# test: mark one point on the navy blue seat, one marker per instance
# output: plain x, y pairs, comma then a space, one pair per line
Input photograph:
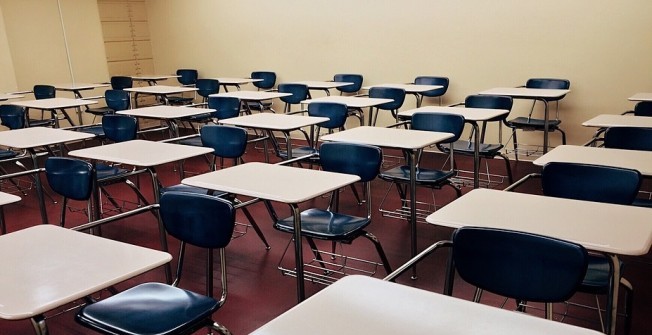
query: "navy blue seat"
225, 108
432, 80
72, 179
206, 87
530, 123
433, 178
356, 79
601, 184
396, 94
628, 138
116, 100
299, 93
121, 82
518, 265
327, 224
187, 77
267, 82
42, 92
153, 308
486, 150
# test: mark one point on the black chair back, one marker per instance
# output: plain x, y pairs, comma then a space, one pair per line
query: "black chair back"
121, 82
629, 138
12, 116
44, 92
187, 77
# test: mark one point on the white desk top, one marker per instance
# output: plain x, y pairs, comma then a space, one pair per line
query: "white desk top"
165, 112
273, 121
26, 138
78, 86
615, 120
7, 96
6, 198
350, 101
470, 114
161, 89
357, 305
140, 152
52, 266
641, 97
408, 88
631, 159
617, 229
527, 93
272, 182
322, 85
236, 81
252, 95
54, 103
154, 77
388, 137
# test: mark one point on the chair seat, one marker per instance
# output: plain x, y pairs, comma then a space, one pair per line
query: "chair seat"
194, 141
198, 118
524, 122
301, 151
100, 111
180, 100
468, 148
150, 308
41, 123
96, 130
639, 202
424, 176
259, 106
190, 189
107, 171
325, 225
5, 154
596, 280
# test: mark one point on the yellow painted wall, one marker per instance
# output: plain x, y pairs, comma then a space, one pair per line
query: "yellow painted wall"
603, 47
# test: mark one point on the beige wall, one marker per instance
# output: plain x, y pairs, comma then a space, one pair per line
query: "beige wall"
601, 46
8, 78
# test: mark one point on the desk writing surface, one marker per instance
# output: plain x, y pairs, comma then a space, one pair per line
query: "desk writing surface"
161, 89
52, 266
272, 182
356, 305
78, 86
408, 88
617, 229
7, 96
641, 97
236, 81
523, 92
630, 159
616, 120
470, 114
273, 121
350, 101
165, 112
140, 152
155, 77
26, 138
322, 85
54, 103
7, 198
388, 137
252, 95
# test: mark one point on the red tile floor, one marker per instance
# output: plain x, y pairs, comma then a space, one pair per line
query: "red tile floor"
257, 290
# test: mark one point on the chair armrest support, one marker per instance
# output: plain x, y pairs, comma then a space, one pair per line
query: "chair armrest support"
418, 258
519, 182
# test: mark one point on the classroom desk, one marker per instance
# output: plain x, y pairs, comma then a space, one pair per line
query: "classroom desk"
159, 91
53, 266
472, 116
54, 104
270, 122
7, 96
284, 184
410, 141
169, 114
629, 159
641, 97
363, 305
153, 79
76, 89
414, 89
5, 199
604, 121
352, 102
252, 96
607, 228
31, 138
539, 94
229, 81
322, 85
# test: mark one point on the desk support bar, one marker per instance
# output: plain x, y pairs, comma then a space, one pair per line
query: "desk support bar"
418, 258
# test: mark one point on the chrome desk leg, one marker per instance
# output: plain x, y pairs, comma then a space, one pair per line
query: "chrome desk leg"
39, 187
298, 252
413, 208
161, 228
612, 301
40, 328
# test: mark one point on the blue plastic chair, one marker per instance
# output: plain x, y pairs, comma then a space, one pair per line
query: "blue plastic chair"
518, 265
327, 224
225, 108
356, 79
396, 94
206, 87
116, 100
628, 138
121, 82
153, 308
267, 83
72, 179
299, 93
601, 184
431, 80
187, 77
42, 92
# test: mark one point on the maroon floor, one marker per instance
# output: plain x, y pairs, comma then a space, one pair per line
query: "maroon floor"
257, 290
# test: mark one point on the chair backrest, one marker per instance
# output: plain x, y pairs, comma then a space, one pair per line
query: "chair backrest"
350, 158
70, 177
119, 128
590, 182
430, 80
491, 102
225, 107
226, 141
187, 76
201, 220
629, 138
12, 116
299, 92
335, 112
397, 94
356, 79
439, 122
206, 87
268, 79
44, 92
549, 83
519, 265
643, 108
117, 100
121, 82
